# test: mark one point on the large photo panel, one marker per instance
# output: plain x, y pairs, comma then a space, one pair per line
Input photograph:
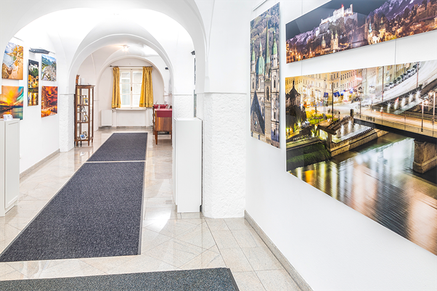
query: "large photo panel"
264, 77
367, 137
342, 25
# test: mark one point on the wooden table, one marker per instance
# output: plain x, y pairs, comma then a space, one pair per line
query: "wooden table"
163, 122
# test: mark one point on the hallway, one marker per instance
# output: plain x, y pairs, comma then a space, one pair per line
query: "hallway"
170, 241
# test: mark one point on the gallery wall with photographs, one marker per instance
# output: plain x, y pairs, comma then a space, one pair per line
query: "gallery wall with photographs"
265, 77
30, 93
352, 177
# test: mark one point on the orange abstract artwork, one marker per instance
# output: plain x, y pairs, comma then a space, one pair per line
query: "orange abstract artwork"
49, 101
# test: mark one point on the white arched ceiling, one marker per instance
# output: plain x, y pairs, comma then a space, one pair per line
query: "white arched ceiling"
134, 53
116, 32
183, 12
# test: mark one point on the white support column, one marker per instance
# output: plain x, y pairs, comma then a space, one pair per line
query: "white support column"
224, 154
183, 105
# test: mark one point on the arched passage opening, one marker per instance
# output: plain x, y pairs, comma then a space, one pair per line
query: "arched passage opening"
210, 31
79, 32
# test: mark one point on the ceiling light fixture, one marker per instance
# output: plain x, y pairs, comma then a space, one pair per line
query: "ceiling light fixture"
125, 48
39, 51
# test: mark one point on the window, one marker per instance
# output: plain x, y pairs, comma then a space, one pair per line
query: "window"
130, 87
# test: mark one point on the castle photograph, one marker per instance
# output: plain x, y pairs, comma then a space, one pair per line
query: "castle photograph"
342, 25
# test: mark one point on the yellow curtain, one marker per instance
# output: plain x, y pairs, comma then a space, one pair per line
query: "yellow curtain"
146, 98
116, 102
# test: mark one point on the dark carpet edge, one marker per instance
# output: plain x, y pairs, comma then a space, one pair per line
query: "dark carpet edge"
126, 279
233, 279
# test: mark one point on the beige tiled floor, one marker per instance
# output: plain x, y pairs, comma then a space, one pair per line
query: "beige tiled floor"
169, 241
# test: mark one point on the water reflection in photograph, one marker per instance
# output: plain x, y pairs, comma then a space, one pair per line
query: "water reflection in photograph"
378, 181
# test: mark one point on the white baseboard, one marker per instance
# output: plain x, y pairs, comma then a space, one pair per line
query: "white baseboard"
37, 165
303, 285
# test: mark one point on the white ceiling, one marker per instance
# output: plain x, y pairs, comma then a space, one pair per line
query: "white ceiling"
71, 27
75, 34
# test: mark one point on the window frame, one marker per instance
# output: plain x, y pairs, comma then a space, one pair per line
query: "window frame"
131, 71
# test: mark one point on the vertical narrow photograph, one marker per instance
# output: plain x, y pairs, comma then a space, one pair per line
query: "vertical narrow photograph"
48, 68
33, 83
264, 77
49, 101
368, 138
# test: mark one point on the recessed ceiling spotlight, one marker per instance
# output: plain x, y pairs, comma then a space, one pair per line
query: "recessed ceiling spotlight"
125, 48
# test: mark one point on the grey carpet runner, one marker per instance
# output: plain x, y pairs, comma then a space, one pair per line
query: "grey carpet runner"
122, 147
219, 279
96, 214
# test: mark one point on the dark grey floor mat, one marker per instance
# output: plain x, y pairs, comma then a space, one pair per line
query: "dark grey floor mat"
96, 214
220, 279
122, 147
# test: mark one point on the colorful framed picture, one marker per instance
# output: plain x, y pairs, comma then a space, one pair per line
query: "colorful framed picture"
49, 101
11, 101
33, 83
48, 68
12, 65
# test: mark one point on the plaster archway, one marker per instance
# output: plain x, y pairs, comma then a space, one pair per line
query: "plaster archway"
107, 41
116, 58
185, 12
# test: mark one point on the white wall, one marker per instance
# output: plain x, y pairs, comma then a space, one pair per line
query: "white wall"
39, 137
332, 246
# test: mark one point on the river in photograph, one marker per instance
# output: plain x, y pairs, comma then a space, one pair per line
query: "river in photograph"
377, 180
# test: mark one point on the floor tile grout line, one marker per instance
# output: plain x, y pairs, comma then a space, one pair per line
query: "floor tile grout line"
205, 249
241, 251
157, 244
253, 269
215, 242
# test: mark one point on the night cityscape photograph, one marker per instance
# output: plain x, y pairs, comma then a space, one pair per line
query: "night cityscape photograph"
341, 25
367, 137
